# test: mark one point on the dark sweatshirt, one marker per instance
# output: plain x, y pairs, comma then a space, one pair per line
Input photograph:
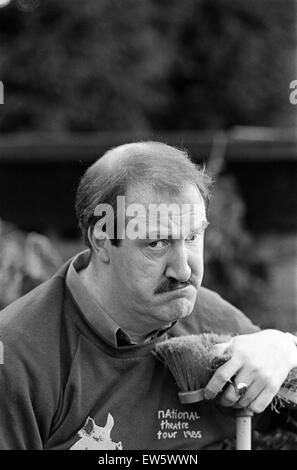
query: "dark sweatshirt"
62, 385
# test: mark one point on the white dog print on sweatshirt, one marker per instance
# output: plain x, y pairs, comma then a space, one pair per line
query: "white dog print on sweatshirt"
93, 437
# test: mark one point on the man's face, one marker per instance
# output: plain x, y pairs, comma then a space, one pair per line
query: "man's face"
156, 278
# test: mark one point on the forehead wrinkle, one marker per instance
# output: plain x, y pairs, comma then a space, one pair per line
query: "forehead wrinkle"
147, 194
144, 195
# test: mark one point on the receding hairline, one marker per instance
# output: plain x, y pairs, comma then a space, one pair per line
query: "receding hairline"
116, 156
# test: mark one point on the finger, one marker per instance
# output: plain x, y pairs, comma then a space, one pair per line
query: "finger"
229, 397
251, 394
256, 388
260, 400
232, 395
260, 403
222, 375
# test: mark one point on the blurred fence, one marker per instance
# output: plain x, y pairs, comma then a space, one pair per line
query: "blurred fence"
39, 173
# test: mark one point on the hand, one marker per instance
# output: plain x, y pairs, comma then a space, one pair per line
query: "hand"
262, 360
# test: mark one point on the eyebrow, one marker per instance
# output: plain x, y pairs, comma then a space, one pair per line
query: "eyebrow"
157, 235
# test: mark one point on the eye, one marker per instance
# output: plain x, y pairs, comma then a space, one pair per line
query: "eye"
193, 237
158, 244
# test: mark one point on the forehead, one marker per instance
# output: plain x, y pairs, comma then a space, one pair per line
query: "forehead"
146, 195
163, 215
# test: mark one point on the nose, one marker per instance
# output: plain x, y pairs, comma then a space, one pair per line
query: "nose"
178, 264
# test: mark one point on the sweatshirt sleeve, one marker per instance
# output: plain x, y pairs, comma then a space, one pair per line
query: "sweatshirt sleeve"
25, 403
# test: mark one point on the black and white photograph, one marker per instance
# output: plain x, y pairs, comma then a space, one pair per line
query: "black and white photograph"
148, 229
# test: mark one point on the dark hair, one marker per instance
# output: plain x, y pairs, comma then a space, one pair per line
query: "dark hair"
163, 167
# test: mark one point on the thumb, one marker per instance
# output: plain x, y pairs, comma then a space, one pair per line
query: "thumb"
222, 349
221, 353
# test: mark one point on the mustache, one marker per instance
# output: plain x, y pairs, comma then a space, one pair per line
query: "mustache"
171, 284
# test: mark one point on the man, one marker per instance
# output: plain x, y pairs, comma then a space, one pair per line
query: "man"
79, 369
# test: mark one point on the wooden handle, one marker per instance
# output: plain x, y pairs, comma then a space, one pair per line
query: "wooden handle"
244, 429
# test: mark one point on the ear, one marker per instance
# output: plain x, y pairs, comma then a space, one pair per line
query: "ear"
109, 423
99, 242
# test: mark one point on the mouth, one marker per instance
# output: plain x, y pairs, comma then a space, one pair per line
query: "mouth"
181, 287
179, 291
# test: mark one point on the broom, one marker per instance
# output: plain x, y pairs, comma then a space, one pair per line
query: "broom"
192, 363
190, 360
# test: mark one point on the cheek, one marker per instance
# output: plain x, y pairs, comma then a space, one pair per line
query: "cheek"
195, 259
138, 274
147, 274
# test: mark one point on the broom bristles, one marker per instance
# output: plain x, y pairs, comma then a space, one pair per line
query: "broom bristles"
190, 360
287, 395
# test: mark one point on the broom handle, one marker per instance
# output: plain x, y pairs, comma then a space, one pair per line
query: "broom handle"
244, 420
244, 429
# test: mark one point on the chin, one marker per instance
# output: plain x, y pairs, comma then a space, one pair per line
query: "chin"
182, 308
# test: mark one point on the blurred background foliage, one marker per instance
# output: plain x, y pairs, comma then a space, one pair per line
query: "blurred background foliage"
234, 266
130, 65
26, 260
